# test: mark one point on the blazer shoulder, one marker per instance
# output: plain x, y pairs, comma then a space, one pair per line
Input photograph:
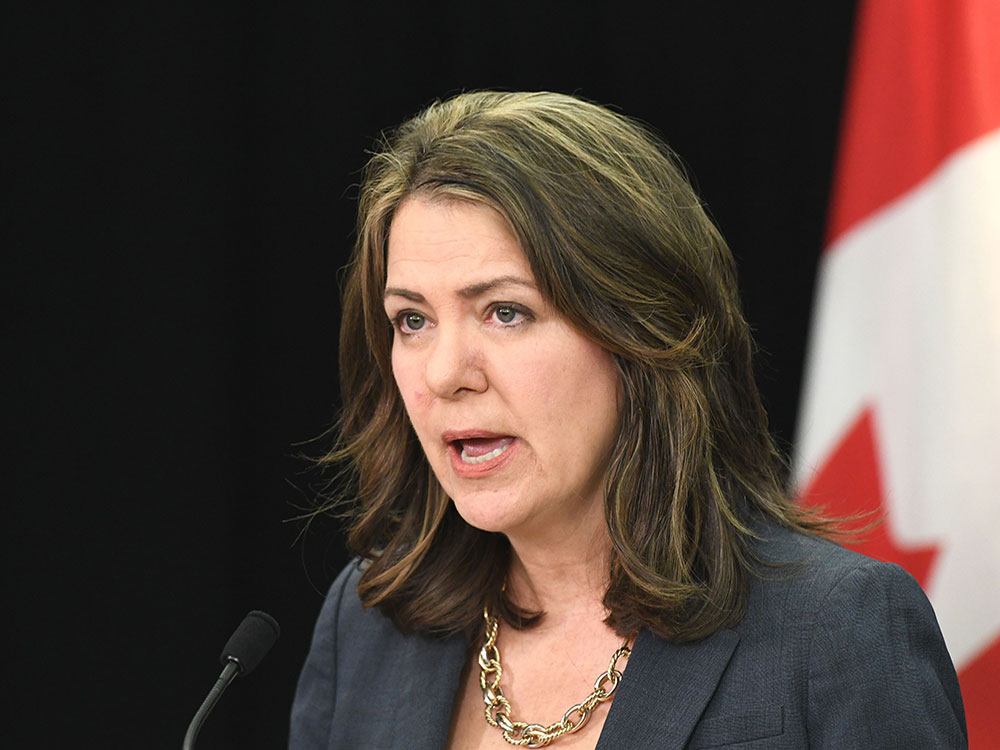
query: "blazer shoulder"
348, 621
342, 620
875, 667
813, 567
361, 668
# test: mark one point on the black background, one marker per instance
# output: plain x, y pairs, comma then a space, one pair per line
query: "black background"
180, 201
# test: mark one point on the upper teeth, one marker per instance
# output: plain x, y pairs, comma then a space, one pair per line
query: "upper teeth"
485, 457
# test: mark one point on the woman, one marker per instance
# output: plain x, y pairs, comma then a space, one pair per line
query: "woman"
569, 521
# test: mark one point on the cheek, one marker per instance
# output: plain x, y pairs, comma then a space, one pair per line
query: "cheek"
410, 383
545, 390
419, 398
585, 392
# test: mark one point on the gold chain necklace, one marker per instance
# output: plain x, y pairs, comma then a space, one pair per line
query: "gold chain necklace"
537, 735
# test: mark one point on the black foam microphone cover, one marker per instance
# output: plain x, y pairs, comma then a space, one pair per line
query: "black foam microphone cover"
251, 641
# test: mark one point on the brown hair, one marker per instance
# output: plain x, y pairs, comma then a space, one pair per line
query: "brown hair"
622, 248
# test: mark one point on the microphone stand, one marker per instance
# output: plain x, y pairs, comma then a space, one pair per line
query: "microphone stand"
229, 673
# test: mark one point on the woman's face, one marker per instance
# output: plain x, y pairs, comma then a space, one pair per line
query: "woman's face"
516, 411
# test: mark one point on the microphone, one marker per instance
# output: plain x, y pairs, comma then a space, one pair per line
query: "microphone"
243, 652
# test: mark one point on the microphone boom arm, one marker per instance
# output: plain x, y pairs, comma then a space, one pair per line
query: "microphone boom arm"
229, 673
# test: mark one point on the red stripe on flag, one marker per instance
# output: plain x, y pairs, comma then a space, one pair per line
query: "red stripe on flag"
924, 81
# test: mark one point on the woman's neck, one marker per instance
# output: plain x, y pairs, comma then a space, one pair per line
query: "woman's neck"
564, 577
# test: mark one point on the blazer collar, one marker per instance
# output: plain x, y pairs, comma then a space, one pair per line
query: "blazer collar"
664, 691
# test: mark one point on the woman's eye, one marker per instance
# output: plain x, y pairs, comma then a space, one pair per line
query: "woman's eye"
506, 314
411, 321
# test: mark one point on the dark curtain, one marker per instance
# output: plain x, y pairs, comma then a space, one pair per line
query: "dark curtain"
181, 183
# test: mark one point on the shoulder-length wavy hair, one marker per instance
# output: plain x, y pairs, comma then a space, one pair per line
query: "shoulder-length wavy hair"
622, 248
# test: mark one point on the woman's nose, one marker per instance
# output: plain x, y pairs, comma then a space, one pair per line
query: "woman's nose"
454, 364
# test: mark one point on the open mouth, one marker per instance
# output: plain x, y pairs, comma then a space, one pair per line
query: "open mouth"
482, 449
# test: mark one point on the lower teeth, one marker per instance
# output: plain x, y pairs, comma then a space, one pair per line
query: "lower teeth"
466, 459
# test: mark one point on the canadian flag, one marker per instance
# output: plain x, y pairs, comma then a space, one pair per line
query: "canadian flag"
901, 409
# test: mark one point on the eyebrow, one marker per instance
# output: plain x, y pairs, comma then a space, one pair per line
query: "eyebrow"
466, 292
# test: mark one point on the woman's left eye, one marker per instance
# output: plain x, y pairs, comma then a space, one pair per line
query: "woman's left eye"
508, 314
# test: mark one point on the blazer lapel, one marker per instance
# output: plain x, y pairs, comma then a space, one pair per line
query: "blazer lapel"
664, 690
431, 678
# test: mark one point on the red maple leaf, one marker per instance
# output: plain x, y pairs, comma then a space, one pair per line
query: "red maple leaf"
850, 484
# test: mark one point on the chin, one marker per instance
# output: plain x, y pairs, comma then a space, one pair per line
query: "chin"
488, 511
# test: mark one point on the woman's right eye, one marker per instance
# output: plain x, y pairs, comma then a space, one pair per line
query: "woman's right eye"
410, 322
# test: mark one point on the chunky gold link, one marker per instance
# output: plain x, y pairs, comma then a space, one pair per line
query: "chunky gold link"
613, 677
523, 734
504, 722
580, 708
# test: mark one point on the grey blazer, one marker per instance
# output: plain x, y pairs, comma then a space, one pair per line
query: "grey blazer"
836, 651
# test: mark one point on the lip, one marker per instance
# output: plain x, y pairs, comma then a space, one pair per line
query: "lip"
471, 471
